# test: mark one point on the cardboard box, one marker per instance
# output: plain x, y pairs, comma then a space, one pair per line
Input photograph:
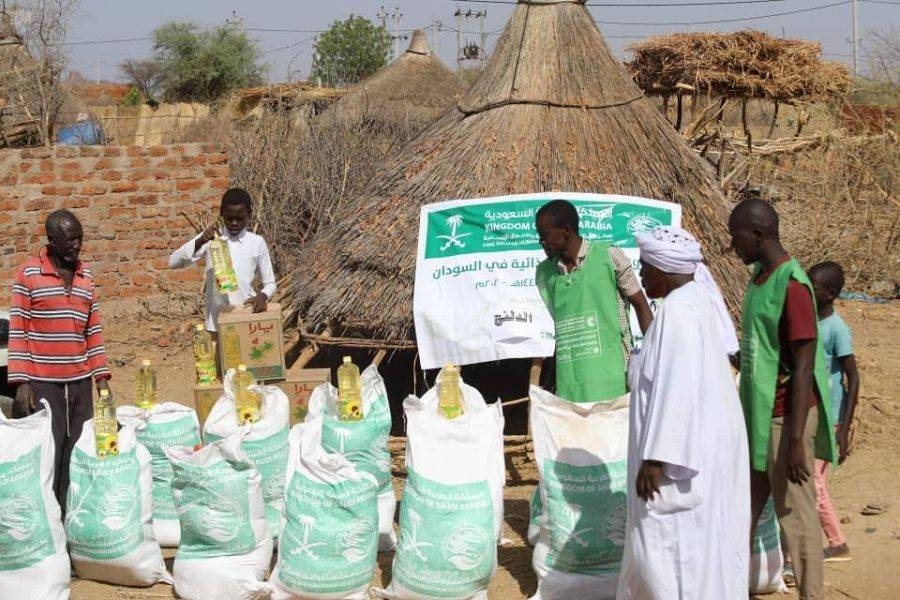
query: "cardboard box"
254, 340
205, 396
299, 387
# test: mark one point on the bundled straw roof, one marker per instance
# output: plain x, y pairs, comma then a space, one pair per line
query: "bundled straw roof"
411, 91
553, 110
246, 100
748, 64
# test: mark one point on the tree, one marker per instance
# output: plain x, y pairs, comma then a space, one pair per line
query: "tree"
146, 75
350, 51
204, 65
43, 26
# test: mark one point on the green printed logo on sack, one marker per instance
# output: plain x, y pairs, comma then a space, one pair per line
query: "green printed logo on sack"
156, 437
330, 537
214, 510
586, 513
364, 443
269, 456
447, 545
767, 536
103, 520
25, 537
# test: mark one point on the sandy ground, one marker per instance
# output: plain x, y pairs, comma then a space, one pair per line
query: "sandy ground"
160, 331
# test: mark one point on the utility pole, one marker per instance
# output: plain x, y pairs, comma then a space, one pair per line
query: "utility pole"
470, 50
855, 38
396, 17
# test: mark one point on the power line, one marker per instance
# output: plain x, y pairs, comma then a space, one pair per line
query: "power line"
96, 42
734, 20
641, 4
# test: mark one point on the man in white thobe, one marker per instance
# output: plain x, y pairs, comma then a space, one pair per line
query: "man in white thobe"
688, 480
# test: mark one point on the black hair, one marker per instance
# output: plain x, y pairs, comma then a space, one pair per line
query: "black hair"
561, 212
235, 197
757, 214
57, 220
830, 273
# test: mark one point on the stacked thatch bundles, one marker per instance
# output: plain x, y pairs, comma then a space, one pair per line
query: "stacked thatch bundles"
744, 64
408, 94
553, 110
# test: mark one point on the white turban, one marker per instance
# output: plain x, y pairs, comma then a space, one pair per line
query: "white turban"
675, 250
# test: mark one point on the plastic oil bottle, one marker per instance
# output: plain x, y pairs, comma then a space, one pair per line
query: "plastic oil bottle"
146, 386
223, 269
204, 357
349, 392
106, 437
231, 348
246, 402
450, 402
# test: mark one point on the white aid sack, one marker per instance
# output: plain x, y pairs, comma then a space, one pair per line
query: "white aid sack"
109, 519
766, 559
226, 546
581, 452
329, 545
166, 425
33, 560
364, 443
452, 507
266, 441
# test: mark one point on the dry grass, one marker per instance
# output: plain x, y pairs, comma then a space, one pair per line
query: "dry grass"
528, 124
839, 201
748, 64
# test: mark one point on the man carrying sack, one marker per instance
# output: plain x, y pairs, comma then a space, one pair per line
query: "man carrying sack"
587, 288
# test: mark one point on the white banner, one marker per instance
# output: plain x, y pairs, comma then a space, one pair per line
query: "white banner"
475, 295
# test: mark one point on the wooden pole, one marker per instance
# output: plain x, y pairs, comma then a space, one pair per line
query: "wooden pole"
746, 126
680, 102
665, 107
379, 356
774, 120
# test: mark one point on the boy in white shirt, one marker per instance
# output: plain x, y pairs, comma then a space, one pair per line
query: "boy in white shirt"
249, 255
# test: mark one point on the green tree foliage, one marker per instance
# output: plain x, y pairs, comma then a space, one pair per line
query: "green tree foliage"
350, 51
203, 65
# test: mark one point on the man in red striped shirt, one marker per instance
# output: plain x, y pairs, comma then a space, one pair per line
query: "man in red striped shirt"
55, 339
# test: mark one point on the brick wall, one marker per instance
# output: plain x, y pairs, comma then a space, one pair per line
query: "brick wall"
129, 199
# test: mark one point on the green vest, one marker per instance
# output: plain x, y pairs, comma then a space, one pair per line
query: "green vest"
760, 357
589, 362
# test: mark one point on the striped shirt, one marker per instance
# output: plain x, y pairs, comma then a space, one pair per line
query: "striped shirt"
626, 281
54, 335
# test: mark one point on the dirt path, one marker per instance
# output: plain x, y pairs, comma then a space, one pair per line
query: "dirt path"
870, 474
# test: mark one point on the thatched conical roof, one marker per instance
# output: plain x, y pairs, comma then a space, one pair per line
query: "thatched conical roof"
19, 101
553, 110
412, 91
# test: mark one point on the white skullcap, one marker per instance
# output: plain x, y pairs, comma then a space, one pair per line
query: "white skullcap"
675, 250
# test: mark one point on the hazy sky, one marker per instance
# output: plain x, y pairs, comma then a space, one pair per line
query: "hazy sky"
108, 20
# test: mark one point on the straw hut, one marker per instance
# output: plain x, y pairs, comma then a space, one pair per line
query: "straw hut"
408, 94
553, 110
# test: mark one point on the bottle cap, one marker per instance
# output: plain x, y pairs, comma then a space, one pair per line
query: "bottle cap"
145, 362
347, 360
199, 326
242, 368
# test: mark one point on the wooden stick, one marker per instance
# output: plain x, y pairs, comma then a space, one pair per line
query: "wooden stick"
379, 356
774, 120
680, 101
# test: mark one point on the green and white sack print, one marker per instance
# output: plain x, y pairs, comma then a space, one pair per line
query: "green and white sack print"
166, 425
33, 559
265, 443
329, 543
226, 545
766, 559
452, 506
582, 455
109, 515
364, 443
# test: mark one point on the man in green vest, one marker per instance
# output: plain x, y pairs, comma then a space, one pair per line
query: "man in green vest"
587, 288
784, 389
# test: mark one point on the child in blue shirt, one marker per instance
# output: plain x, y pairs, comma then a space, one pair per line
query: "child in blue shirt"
828, 281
